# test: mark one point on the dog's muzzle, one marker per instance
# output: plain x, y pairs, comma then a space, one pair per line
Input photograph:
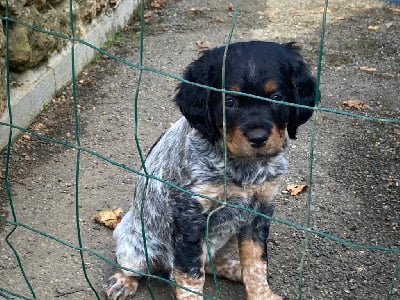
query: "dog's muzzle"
257, 137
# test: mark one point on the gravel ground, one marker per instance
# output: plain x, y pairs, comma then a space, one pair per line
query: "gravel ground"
356, 174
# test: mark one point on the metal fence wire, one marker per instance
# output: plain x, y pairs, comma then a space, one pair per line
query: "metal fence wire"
14, 223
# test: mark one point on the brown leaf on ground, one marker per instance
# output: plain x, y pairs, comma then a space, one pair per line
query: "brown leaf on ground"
373, 27
148, 15
367, 69
356, 104
295, 189
109, 218
197, 10
203, 44
157, 3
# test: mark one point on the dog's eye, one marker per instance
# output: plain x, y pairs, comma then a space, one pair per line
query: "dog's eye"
276, 96
230, 102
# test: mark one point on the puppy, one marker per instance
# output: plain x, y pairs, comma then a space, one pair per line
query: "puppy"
190, 155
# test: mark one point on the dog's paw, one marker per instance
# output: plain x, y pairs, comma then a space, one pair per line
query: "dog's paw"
269, 295
275, 297
120, 286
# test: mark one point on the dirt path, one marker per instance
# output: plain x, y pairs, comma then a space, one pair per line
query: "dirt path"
356, 167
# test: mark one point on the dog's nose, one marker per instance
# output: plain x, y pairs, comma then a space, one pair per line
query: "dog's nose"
257, 137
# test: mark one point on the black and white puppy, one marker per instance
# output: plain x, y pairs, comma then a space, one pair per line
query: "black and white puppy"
191, 155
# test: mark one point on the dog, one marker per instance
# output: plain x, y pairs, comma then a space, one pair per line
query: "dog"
230, 163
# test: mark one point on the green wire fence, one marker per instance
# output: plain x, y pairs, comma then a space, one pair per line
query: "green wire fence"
8, 293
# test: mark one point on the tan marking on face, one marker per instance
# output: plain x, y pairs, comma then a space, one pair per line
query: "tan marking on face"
237, 143
265, 192
270, 86
194, 284
235, 88
239, 146
276, 138
254, 271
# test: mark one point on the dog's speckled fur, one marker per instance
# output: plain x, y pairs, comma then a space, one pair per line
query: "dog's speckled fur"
191, 155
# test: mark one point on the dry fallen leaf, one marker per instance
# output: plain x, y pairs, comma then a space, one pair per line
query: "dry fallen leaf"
357, 104
395, 9
157, 3
147, 15
295, 189
373, 27
230, 6
203, 44
197, 10
388, 74
368, 69
109, 218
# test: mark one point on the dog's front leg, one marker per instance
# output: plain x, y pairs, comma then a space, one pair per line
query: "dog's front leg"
189, 259
253, 258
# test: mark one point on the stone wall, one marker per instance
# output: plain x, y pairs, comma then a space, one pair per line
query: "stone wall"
28, 48
2, 71
40, 59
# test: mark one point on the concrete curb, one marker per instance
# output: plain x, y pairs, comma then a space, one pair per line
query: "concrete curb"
37, 87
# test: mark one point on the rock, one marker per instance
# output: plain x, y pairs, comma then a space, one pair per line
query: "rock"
20, 49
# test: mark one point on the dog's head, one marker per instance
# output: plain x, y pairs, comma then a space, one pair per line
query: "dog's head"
254, 127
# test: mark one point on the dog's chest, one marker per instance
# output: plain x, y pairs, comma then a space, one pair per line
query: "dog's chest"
214, 195
229, 195
230, 208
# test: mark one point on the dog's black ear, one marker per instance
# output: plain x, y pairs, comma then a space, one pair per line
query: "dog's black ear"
194, 101
305, 91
